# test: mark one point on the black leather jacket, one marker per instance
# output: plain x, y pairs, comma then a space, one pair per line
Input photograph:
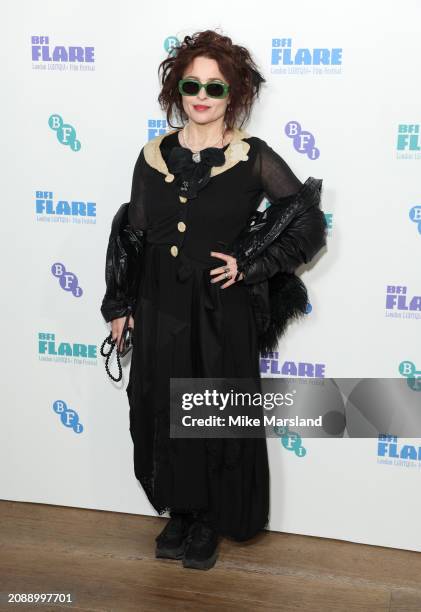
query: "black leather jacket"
269, 250
272, 245
122, 266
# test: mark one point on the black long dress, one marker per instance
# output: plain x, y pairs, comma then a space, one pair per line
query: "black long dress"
186, 326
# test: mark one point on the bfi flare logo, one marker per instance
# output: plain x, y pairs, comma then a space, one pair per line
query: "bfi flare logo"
48, 56
287, 59
391, 451
50, 209
408, 145
401, 304
52, 349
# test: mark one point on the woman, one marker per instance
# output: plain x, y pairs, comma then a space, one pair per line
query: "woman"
194, 190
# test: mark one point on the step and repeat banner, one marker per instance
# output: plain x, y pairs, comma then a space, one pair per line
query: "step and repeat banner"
341, 102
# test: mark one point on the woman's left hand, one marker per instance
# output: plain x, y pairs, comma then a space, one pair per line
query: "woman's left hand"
230, 266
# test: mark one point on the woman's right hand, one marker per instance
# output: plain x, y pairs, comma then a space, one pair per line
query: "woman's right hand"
117, 328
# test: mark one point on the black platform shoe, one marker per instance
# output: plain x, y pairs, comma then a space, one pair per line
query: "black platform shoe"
170, 542
201, 546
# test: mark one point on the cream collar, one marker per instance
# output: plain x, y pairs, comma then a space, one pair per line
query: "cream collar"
236, 151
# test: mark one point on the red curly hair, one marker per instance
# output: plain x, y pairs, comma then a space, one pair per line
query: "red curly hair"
234, 62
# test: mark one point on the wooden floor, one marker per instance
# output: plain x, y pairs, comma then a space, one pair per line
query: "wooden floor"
106, 560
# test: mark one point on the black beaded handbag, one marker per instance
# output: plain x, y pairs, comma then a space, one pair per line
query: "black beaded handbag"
126, 344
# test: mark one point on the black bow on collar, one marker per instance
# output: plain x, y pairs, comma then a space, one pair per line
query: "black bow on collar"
193, 175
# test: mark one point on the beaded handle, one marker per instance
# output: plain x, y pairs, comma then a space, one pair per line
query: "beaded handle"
109, 340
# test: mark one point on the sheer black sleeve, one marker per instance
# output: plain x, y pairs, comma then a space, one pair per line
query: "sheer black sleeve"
136, 211
277, 179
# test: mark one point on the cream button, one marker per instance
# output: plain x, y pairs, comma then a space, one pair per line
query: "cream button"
181, 226
182, 199
174, 250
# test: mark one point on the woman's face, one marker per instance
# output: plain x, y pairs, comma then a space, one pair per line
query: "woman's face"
204, 69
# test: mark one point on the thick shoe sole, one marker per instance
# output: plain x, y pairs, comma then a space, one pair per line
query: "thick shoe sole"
169, 553
204, 564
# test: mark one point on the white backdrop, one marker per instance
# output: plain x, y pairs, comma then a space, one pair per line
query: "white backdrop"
371, 198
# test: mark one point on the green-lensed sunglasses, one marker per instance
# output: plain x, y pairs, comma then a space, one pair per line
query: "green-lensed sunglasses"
214, 89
